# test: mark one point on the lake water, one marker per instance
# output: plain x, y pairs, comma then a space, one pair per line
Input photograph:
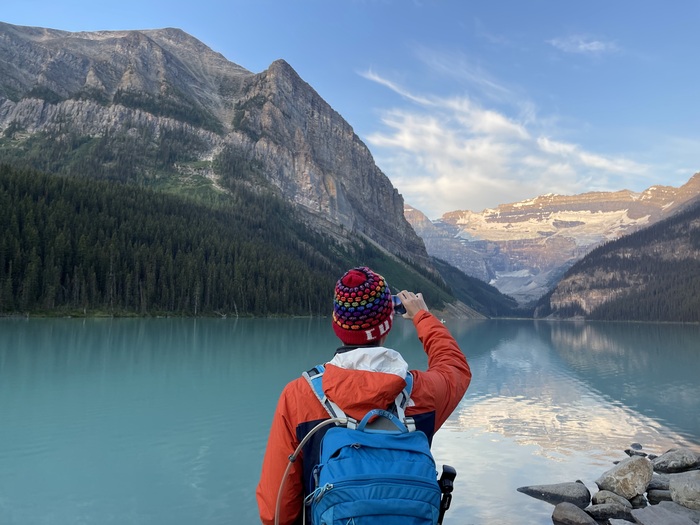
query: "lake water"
164, 421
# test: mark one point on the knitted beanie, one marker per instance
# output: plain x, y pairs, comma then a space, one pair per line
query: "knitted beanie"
362, 309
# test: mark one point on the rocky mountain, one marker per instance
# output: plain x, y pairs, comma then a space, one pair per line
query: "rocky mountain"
652, 274
524, 248
161, 108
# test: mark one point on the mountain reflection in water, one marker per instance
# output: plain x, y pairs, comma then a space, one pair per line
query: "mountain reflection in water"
554, 402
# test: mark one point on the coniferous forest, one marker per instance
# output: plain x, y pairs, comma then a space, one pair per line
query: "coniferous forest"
74, 245
85, 244
651, 275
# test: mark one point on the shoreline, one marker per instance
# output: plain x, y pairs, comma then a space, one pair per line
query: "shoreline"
642, 488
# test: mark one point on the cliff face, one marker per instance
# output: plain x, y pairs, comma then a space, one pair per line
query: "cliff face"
524, 248
142, 84
315, 159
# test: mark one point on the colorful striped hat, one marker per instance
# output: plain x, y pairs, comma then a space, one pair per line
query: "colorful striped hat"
362, 310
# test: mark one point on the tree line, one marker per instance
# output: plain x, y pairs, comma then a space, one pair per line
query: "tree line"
658, 269
76, 246
70, 244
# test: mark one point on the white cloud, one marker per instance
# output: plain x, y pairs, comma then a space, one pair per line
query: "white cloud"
447, 154
583, 45
370, 75
591, 160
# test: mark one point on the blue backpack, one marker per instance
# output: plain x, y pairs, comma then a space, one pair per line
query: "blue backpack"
376, 471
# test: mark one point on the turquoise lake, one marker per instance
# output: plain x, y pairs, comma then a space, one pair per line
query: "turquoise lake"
164, 421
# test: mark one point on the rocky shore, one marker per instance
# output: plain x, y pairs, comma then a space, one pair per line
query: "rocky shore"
643, 488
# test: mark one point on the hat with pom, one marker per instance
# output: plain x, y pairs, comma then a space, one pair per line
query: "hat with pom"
362, 308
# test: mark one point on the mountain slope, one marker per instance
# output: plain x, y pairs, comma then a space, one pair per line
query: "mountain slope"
76, 245
650, 275
160, 108
121, 111
524, 248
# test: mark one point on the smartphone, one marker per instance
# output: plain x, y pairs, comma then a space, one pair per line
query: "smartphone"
399, 308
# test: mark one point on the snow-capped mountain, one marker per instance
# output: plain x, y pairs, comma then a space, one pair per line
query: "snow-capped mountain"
523, 248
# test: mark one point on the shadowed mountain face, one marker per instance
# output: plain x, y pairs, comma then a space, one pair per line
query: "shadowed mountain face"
524, 248
158, 106
652, 274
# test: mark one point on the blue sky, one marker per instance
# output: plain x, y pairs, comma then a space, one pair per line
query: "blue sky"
465, 104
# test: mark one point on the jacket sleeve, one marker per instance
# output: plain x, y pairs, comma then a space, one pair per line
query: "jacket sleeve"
445, 382
280, 445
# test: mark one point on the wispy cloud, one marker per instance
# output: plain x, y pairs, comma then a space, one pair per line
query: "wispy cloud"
459, 67
371, 75
450, 153
481, 32
584, 45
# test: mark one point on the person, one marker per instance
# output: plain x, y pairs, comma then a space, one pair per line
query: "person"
362, 375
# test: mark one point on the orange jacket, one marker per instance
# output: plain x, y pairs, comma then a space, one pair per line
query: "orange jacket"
436, 393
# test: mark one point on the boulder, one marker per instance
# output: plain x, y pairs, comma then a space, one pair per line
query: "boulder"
628, 478
575, 493
605, 496
632, 452
569, 514
685, 489
659, 482
694, 515
656, 515
639, 502
656, 495
605, 511
676, 460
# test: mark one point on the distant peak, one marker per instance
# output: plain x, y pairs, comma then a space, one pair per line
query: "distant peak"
281, 65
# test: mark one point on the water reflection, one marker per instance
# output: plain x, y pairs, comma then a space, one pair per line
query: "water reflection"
540, 377
165, 420
553, 402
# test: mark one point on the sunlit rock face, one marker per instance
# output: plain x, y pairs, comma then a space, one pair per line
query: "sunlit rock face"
272, 126
524, 248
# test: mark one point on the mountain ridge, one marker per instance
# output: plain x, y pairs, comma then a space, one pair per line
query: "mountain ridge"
523, 248
652, 274
159, 109
271, 123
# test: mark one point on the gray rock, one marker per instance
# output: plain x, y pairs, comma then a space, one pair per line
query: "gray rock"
575, 493
694, 515
676, 460
656, 495
656, 515
605, 496
627, 479
685, 489
569, 514
605, 511
635, 450
639, 502
659, 482
614, 521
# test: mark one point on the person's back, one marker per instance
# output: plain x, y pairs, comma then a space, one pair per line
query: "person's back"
363, 375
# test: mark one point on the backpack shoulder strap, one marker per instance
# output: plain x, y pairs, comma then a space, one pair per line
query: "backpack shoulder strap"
315, 379
401, 403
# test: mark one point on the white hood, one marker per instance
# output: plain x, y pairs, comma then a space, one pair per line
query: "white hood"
374, 359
